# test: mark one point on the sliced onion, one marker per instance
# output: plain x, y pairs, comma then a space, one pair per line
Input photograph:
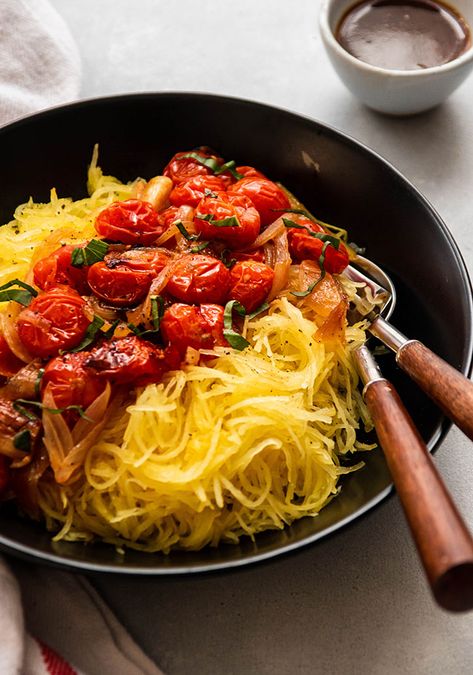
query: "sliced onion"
23, 383
271, 232
269, 251
141, 315
95, 308
186, 215
282, 264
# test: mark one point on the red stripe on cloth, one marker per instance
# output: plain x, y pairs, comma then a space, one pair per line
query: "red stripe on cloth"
55, 665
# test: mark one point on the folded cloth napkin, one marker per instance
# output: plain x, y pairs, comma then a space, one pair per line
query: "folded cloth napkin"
51, 622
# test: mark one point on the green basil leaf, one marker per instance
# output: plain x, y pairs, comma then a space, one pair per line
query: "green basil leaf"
200, 247
258, 310
20, 402
37, 384
108, 334
91, 334
205, 216
209, 162
231, 221
233, 338
157, 310
303, 294
328, 238
180, 226
22, 440
95, 251
23, 295
230, 167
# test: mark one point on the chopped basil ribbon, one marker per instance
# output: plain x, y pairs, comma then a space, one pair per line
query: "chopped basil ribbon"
180, 226
22, 440
37, 384
233, 338
232, 221
303, 294
327, 238
228, 262
213, 165
23, 295
20, 402
199, 247
157, 313
91, 334
258, 310
95, 251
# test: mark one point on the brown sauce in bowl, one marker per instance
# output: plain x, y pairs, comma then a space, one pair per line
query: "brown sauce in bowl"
403, 34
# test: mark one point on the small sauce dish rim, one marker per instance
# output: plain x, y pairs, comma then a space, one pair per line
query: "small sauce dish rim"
329, 36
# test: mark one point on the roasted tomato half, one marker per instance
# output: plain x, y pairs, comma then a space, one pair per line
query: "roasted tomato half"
247, 171
250, 283
9, 363
229, 218
193, 190
70, 382
303, 246
186, 326
129, 222
131, 360
267, 198
199, 279
123, 279
182, 168
54, 321
57, 269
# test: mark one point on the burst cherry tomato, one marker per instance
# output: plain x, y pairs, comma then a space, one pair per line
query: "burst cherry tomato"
57, 269
303, 246
9, 363
242, 226
193, 190
70, 382
250, 283
266, 196
131, 360
124, 279
182, 168
199, 278
256, 256
168, 217
190, 326
55, 320
130, 222
247, 171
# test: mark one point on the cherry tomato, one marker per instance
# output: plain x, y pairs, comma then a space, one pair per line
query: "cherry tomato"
167, 217
193, 190
54, 321
250, 283
9, 363
130, 222
302, 246
182, 168
247, 171
70, 382
213, 210
266, 196
124, 279
199, 278
4, 474
131, 360
57, 269
240, 256
190, 326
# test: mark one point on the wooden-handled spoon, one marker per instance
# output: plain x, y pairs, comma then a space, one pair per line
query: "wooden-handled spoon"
444, 542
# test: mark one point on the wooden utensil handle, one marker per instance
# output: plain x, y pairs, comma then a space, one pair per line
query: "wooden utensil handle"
448, 388
444, 543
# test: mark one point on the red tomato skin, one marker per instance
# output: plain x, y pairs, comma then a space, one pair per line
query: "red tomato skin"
249, 171
304, 247
167, 217
129, 222
256, 256
54, 321
9, 363
149, 260
267, 198
4, 474
250, 283
226, 205
181, 168
193, 190
199, 279
186, 326
130, 360
57, 269
118, 286
70, 382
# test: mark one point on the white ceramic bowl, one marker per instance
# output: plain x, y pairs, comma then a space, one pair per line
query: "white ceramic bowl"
396, 92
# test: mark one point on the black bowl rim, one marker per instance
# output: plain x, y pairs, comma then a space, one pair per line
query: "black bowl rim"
55, 560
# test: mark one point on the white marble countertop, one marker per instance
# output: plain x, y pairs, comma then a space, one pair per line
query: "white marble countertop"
357, 603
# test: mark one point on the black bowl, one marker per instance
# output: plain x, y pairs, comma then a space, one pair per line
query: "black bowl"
340, 180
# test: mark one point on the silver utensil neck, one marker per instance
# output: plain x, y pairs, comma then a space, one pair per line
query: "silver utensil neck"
389, 335
367, 367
